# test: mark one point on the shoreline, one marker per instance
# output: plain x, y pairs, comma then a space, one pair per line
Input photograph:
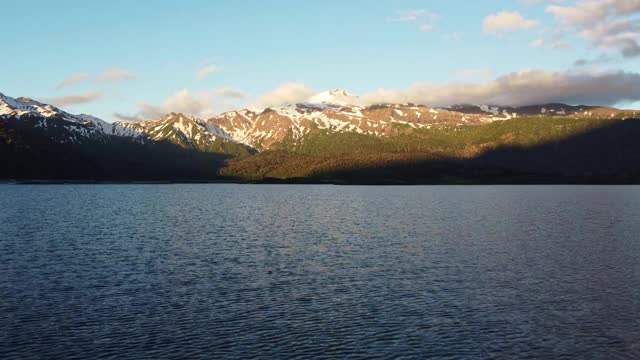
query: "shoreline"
337, 182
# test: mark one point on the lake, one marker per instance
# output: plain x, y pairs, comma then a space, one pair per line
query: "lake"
284, 271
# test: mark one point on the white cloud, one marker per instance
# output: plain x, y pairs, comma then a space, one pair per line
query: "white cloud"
125, 117
229, 93
68, 100
108, 75
505, 21
206, 70
606, 24
425, 27
73, 79
475, 86
201, 104
184, 101
582, 13
454, 36
115, 74
551, 44
423, 17
413, 15
521, 88
285, 94
535, 2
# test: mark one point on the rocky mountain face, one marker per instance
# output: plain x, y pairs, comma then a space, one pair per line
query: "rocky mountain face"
40, 141
62, 126
238, 132
335, 111
553, 110
186, 131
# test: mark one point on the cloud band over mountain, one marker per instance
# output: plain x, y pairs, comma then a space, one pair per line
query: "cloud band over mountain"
515, 89
521, 88
528, 87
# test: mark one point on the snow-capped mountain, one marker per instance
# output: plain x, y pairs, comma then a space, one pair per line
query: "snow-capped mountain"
180, 129
331, 111
63, 126
263, 129
335, 111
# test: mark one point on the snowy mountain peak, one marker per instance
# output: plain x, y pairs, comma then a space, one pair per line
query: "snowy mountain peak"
26, 106
180, 117
174, 116
178, 128
338, 97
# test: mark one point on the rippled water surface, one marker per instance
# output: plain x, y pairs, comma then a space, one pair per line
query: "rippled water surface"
241, 271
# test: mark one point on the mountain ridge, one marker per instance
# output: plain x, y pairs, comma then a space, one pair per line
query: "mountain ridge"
327, 110
263, 129
183, 130
306, 140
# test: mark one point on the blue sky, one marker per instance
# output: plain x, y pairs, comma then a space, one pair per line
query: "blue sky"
139, 57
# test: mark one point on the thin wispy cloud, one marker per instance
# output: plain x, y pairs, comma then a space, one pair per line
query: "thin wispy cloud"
229, 93
115, 74
454, 36
73, 79
76, 99
125, 117
205, 71
536, 2
425, 27
423, 17
412, 15
550, 44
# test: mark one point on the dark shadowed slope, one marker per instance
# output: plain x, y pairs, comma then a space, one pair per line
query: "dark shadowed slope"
27, 152
602, 152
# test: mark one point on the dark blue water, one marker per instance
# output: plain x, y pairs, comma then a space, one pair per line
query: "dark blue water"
233, 271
